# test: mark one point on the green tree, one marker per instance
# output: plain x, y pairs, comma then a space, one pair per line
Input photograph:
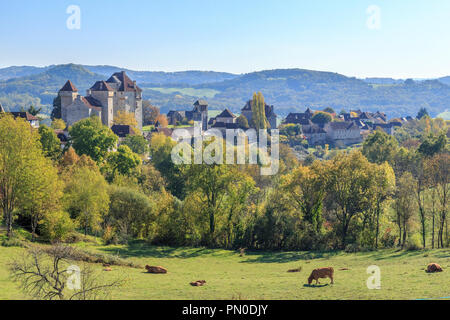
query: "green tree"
86, 197
433, 144
242, 122
321, 117
404, 205
34, 111
380, 147
131, 213
350, 182
123, 161
422, 113
44, 192
90, 137
56, 111
58, 124
383, 189
160, 152
212, 184
329, 110
258, 105
51, 145
19, 149
137, 143
306, 188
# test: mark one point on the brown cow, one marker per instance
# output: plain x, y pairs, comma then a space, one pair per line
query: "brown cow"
317, 274
434, 267
198, 283
152, 269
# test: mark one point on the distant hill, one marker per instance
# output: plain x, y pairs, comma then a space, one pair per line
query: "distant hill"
383, 81
445, 80
164, 78
16, 72
293, 90
40, 89
289, 90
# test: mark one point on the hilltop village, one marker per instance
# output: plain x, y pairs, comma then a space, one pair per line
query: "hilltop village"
110, 100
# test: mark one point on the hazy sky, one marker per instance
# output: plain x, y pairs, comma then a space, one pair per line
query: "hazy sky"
410, 38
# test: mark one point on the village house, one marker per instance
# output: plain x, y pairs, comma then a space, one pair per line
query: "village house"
345, 133
32, 120
198, 113
299, 118
104, 99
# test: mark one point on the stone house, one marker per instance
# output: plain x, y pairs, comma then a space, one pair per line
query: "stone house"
32, 120
314, 134
199, 113
346, 132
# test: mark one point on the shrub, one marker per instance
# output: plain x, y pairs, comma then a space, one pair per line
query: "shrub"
352, 248
413, 243
57, 226
13, 242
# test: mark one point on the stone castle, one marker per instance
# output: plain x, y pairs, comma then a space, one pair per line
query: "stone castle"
104, 99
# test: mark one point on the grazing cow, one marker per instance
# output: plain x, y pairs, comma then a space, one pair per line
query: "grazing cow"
317, 274
434, 267
198, 283
153, 269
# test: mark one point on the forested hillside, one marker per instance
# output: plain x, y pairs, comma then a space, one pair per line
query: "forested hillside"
289, 90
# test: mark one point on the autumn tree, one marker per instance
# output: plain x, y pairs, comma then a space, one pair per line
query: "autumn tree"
382, 190
212, 184
321, 118
162, 121
258, 105
380, 147
433, 144
242, 122
131, 213
306, 188
160, 152
58, 124
137, 143
86, 197
44, 192
51, 144
19, 150
90, 137
349, 186
150, 113
438, 168
123, 161
404, 205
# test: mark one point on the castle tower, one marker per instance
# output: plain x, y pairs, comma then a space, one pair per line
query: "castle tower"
68, 94
128, 96
104, 93
200, 113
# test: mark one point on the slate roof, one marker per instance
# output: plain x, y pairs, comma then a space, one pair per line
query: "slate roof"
346, 125
69, 87
25, 115
122, 130
101, 86
226, 114
91, 102
314, 129
126, 84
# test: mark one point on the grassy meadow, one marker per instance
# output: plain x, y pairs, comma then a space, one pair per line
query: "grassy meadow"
261, 275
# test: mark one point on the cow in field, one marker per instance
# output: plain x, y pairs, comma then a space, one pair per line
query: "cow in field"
321, 273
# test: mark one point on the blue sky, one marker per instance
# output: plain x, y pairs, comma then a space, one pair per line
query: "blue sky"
232, 36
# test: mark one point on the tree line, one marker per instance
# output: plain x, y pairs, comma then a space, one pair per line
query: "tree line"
390, 192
